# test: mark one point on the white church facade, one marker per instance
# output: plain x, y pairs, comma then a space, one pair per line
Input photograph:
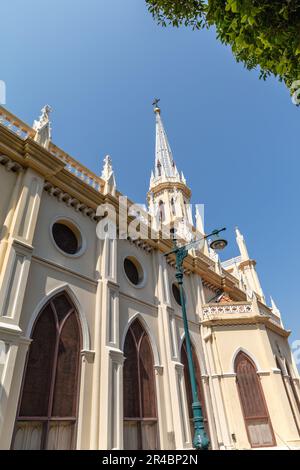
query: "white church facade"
92, 346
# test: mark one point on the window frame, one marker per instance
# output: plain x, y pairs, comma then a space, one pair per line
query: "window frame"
248, 419
47, 420
74, 227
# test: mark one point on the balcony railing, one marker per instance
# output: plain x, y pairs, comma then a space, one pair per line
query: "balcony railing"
24, 131
238, 309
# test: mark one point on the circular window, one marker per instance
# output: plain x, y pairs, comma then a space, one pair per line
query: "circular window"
66, 237
176, 293
133, 271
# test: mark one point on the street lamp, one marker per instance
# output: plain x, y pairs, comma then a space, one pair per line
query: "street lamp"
200, 440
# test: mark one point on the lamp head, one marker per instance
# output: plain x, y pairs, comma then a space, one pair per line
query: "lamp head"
218, 244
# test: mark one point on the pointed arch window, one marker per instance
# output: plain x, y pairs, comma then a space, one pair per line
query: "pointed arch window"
184, 361
256, 416
47, 413
159, 168
161, 207
173, 208
140, 412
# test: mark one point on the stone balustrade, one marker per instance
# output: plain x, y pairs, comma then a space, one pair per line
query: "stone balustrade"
239, 309
235, 308
24, 131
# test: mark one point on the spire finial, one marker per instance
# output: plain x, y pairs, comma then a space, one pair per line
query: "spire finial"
108, 175
155, 104
42, 126
241, 244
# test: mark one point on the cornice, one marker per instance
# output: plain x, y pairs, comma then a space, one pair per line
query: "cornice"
247, 263
249, 320
70, 184
11, 145
169, 186
40, 160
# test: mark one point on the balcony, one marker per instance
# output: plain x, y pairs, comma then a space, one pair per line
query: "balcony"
240, 313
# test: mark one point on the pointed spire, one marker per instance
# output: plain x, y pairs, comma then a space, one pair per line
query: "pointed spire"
165, 168
108, 176
199, 216
242, 245
43, 127
274, 307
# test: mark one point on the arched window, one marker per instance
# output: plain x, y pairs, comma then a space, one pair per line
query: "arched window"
159, 168
255, 411
173, 208
161, 211
140, 414
290, 380
188, 387
47, 413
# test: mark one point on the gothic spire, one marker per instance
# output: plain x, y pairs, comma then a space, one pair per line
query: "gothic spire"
165, 168
242, 245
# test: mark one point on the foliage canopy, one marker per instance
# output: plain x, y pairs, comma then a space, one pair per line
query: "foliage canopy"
263, 34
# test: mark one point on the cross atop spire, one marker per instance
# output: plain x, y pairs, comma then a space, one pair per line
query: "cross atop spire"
155, 103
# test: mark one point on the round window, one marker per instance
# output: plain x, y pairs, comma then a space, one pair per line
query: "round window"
176, 293
66, 237
133, 271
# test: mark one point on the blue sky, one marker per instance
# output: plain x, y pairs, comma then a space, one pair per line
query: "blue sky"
100, 63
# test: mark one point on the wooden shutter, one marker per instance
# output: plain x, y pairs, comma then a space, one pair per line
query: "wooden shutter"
256, 416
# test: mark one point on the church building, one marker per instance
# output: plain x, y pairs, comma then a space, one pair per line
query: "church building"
92, 347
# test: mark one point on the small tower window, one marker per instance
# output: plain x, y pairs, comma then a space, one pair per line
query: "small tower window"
161, 211
173, 208
159, 169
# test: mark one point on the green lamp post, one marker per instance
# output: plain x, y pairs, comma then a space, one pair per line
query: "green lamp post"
200, 440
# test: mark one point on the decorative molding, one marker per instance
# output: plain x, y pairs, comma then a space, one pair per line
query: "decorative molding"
263, 373
142, 244
224, 309
10, 328
224, 375
81, 312
10, 165
275, 370
64, 269
70, 201
159, 369
112, 285
21, 246
178, 367
88, 355
139, 301
117, 356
